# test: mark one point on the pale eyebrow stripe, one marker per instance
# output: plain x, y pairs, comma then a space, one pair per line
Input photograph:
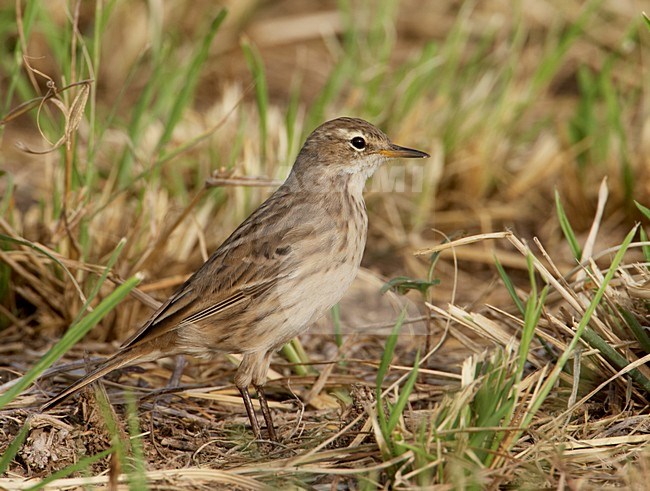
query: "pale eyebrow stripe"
349, 134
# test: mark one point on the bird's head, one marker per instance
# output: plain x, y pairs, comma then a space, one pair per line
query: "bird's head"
348, 146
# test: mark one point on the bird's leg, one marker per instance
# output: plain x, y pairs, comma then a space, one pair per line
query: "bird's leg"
253, 368
243, 379
174, 381
266, 412
179, 366
259, 373
251, 412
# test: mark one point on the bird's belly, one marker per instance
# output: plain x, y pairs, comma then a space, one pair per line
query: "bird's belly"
317, 283
288, 309
309, 299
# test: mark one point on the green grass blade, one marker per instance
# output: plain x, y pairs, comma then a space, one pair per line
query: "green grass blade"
384, 365
548, 67
137, 118
559, 366
570, 236
336, 319
76, 332
80, 465
290, 122
256, 66
7, 199
30, 13
644, 236
119, 444
292, 354
645, 248
614, 357
616, 130
584, 124
404, 394
138, 474
387, 357
509, 286
534, 308
191, 77
109, 266
303, 356
14, 446
643, 209
639, 332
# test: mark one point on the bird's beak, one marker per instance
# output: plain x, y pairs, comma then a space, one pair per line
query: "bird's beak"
396, 152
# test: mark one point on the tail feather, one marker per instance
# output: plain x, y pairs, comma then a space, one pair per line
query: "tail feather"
119, 360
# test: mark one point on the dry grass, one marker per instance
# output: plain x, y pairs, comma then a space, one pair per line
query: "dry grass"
512, 105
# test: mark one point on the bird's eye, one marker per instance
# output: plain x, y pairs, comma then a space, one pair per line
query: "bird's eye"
358, 143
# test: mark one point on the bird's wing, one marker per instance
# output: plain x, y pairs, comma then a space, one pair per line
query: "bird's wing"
250, 262
181, 309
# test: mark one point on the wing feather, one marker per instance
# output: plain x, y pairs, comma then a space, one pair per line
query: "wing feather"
250, 262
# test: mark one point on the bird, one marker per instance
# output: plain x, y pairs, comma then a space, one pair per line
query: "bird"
284, 267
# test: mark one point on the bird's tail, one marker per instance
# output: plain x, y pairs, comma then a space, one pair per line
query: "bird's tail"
119, 360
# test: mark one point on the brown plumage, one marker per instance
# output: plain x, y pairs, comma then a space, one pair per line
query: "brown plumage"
290, 261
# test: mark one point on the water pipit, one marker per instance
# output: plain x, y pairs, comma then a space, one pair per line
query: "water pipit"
286, 265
